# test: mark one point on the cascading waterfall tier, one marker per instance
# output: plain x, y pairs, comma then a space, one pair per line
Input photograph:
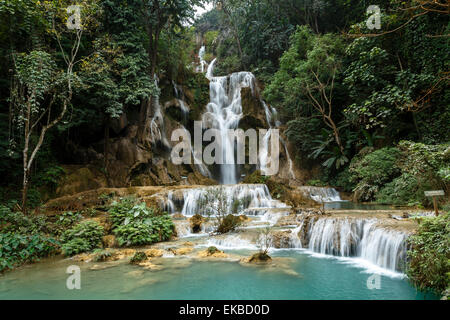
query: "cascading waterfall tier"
320, 194
353, 237
238, 199
249, 199
224, 113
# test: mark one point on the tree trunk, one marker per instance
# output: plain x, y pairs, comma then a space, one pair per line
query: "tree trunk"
25, 190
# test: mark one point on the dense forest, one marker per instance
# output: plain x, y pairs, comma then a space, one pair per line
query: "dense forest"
363, 109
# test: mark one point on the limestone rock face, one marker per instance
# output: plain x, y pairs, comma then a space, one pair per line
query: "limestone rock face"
109, 241
281, 239
80, 179
253, 111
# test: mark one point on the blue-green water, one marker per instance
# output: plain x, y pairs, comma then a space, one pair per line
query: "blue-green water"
181, 278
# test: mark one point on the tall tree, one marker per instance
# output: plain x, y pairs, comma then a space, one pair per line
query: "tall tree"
156, 16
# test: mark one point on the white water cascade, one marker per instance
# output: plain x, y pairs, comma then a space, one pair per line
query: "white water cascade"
179, 95
359, 238
320, 194
224, 112
238, 199
157, 129
203, 63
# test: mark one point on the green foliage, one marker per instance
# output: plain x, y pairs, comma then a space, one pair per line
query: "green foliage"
50, 177
138, 257
101, 255
212, 250
16, 221
69, 218
429, 257
403, 190
17, 248
83, 237
370, 171
228, 65
400, 175
135, 224
316, 183
24, 238
256, 178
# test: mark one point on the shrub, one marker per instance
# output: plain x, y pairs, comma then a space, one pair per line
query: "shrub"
135, 224
120, 210
403, 190
138, 257
429, 257
18, 222
102, 255
135, 234
371, 171
83, 237
212, 250
69, 218
17, 248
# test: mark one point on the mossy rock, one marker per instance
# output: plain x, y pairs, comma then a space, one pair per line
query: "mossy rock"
260, 257
212, 250
138, 257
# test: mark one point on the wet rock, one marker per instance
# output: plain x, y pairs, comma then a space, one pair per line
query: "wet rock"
154, 253
181, 251
281, 239
258, 258
212, 252
138, 257
148, 265
196, 223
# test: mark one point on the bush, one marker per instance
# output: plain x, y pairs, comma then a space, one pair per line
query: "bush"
16, 221
135, 224
212, 250
17, 248
403, 190
69, 218
83, 237
370, 171
429, 257
138, 258
102, 255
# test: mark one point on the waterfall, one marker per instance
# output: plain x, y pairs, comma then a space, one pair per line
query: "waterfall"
353, 237
157, 129
224, 113
320, 194
179, 95
237, 199
234, 241
201, 55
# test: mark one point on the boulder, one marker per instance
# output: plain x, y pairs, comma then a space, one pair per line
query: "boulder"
196, 223
109, 241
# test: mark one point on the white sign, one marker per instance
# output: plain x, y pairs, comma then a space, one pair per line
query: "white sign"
434, 193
